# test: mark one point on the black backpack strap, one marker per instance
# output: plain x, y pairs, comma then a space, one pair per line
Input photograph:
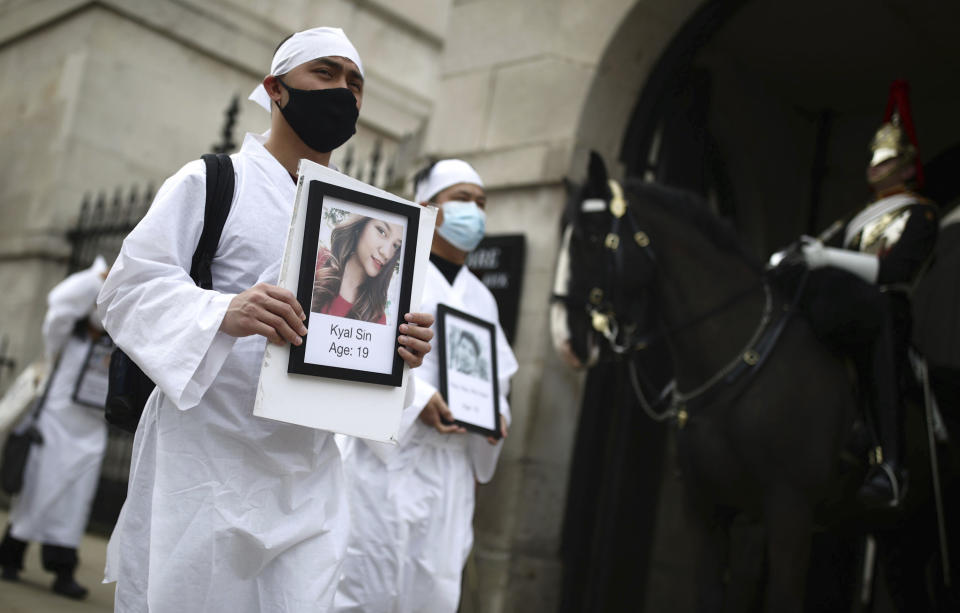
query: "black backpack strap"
129, 387
220, 185
42, 401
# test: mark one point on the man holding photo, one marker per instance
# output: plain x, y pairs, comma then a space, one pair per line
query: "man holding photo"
412, 506
225, 511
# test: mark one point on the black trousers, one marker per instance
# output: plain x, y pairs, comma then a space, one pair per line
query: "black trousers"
882, 366
55, 558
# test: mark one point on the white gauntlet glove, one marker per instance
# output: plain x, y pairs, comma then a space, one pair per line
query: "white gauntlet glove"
863, 265
813, 252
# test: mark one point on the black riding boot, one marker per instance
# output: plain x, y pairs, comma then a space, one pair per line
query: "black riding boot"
63, 561
12, 551
885, 483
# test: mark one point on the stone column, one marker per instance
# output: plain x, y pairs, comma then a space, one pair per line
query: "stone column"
526, 89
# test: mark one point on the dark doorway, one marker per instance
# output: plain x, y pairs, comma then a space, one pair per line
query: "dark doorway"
793, 94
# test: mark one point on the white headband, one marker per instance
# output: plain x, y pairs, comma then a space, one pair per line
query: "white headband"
444, 174
304, 47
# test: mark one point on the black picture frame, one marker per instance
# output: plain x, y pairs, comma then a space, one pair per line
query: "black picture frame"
318, 192
445, 315
100, 350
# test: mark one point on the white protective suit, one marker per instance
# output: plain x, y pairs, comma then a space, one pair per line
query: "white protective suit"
61, 475
225, 511
412, 506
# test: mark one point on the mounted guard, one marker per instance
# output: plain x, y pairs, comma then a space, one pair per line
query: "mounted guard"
886, 247
751, 435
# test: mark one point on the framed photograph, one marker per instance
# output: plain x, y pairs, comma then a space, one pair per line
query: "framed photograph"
91, 387
355, 281
329, 392
467, 351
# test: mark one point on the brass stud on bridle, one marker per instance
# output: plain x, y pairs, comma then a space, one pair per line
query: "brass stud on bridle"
612, 242
596, 295
618, 205
600, 322
751, 357
642, 239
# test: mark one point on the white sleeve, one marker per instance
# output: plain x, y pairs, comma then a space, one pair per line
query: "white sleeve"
70, 300
483, 455
152, 308
421, 395
864, 265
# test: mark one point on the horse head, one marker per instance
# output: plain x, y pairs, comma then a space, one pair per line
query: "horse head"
648, 263
607, 307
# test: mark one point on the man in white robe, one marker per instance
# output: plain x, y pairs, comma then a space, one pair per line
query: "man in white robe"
61, 475
412, 506
226, 511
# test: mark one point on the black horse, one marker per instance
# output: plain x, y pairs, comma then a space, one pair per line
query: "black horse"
763, 409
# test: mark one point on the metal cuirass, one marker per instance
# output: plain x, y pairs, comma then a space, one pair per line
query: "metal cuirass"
881, 234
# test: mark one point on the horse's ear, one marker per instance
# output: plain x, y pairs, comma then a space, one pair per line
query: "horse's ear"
596, 185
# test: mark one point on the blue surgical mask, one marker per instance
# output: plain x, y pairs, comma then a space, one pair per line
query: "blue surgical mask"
463, 224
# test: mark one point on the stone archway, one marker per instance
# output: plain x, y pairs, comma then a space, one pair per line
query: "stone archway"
613, 500
516, 78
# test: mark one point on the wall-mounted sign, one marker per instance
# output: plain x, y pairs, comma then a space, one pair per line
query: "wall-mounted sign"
498, 262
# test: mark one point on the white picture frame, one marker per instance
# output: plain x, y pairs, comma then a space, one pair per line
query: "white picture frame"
367, 410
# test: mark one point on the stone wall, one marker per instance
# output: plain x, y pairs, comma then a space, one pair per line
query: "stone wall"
115, 93
109, 94
526, 90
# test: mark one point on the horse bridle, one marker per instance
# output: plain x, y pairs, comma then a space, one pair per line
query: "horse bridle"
754, 354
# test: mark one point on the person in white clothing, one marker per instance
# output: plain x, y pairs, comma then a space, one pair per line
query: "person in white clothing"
412, 505
61, 475
226, 511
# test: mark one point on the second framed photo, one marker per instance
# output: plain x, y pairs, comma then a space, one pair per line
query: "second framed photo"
355, 282
467, 351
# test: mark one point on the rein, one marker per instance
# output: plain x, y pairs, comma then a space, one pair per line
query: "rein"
694, 321
750, 357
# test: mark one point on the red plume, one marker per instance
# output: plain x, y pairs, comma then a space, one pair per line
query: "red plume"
899, 101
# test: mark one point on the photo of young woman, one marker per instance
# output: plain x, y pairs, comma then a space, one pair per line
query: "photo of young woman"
354, 273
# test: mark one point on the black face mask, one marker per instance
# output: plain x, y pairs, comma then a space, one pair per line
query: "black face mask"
324, 119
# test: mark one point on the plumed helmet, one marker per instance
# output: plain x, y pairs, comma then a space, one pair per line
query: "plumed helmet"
897, 138
890, 141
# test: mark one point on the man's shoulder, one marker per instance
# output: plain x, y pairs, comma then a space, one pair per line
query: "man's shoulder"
192, 170
480, 294
190, 180
919, 202
476, 285
196, 170
921, 208
191, 177
902, 199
